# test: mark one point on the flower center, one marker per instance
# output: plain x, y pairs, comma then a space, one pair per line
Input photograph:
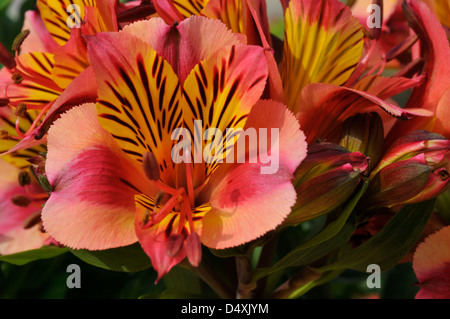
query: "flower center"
181, 199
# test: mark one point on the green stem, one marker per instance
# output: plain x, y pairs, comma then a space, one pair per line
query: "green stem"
265, 260
244, 274
213, 280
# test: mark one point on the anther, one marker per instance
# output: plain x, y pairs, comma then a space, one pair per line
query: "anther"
19, 40
24, 179
17, 78
21, 110
4, 101
6, 58
20, 200
32, 220
150, 165
4, 135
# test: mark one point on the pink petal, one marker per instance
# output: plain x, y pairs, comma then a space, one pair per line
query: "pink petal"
247, 203
181, 45
13, 236
39, 39
94, 183
431, 263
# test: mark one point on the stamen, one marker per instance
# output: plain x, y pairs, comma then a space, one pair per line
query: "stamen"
166, 209
19, 40
19, 132
21, 110
17, 78
189, 177
6, 58
32, 220
4, 101
38, 118
35, 196
24, 179
20, 200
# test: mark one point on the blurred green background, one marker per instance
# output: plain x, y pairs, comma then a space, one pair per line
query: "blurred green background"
47, 278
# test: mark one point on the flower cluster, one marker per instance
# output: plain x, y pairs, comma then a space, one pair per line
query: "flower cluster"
191, 129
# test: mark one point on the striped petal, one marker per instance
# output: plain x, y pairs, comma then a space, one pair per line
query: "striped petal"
70, 59
157, 240
57, 13
139, 97
220, 92
181, 45
39, 39
93, 184
246, 200
323, 43
324, 107
190, 7
37, 89
8, 123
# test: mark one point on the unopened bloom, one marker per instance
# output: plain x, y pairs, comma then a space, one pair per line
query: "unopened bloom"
325, 179
412, 170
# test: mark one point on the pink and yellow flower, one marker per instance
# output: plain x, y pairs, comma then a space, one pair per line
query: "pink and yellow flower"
116, 182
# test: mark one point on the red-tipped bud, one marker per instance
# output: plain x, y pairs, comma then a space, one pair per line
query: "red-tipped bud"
397, 183
433, 146
325, 180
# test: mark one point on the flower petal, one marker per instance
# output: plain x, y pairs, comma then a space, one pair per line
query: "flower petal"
323, 43
247, 203
39, 39
181, 45
220, 92
92, 202
138, 97
330, 105
431, 264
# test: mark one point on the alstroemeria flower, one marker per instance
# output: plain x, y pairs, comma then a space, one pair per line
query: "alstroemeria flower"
20, 210
431, 263
116, 181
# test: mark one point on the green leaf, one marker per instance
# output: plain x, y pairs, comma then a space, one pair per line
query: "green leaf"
330, 238
126, 259
25, 257
391, 243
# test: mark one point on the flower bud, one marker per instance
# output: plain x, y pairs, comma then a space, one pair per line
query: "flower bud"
326, 178
364, 133
397, 183
433, 146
